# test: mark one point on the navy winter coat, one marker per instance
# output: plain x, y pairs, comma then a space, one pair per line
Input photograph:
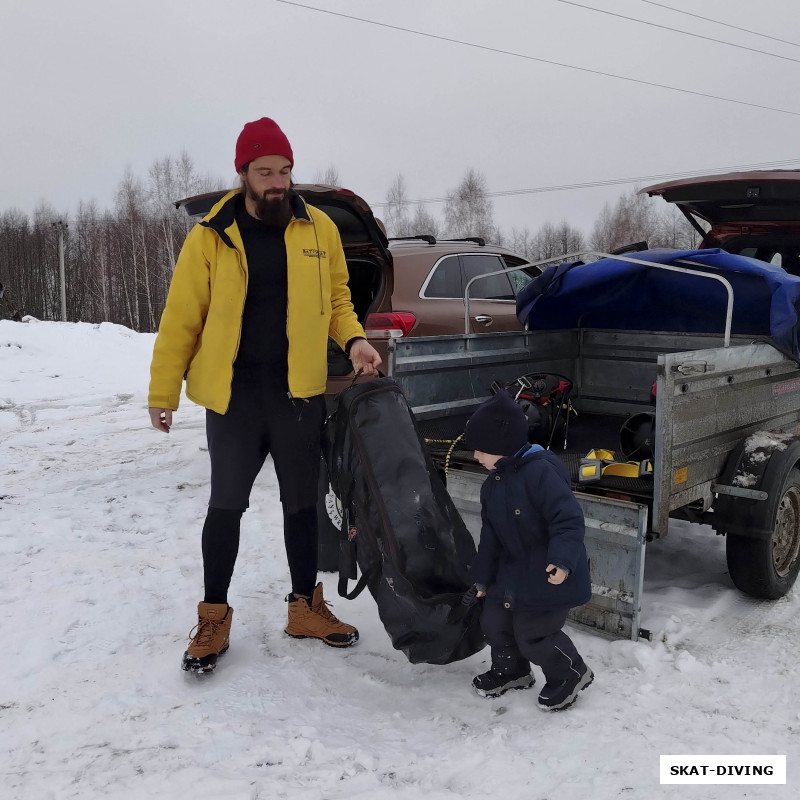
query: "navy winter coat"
531, 519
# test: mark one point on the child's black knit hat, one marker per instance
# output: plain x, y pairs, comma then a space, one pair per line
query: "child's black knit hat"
498, 427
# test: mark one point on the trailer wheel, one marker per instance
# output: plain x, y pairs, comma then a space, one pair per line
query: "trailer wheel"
767, 567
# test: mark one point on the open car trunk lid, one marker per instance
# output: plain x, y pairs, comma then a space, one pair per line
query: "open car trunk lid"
736, 197
360, 232
754, 214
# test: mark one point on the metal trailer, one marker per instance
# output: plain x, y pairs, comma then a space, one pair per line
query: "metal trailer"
726, 444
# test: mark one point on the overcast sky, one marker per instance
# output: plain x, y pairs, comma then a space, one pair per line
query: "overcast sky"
90, 88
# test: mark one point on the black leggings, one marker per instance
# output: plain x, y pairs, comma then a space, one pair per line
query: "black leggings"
221, 546
262, 420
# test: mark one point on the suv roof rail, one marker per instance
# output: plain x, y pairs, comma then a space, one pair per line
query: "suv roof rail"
425, 237
479, 240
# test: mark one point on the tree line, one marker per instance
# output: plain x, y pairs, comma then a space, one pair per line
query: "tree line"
468, 212
118, 263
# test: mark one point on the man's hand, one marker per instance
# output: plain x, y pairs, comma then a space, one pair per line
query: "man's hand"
161, 418
555, 575
364, 357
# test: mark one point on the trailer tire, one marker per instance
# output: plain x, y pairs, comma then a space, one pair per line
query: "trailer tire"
767, 566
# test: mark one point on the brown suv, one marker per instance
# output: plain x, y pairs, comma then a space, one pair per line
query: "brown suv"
411, 286
754, 214
430, 280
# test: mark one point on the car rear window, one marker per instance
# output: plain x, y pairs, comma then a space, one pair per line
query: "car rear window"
495, 287
446, 280
452, 274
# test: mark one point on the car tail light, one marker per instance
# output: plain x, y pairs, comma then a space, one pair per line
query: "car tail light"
392, 325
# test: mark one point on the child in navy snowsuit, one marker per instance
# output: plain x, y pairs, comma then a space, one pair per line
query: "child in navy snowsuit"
531, 564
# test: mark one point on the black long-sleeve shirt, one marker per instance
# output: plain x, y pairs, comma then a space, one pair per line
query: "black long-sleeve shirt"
264, 346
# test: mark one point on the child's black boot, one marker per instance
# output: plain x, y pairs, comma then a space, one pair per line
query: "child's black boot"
561, 694
508, 671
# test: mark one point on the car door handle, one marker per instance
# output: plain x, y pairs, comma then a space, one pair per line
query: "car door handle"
484, 319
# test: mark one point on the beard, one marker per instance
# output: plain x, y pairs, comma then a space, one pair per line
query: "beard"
272, 207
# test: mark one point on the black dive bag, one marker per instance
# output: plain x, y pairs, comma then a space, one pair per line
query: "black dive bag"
400, 526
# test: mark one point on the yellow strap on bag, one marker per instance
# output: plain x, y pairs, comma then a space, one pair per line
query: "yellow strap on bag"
600, 462
602, 455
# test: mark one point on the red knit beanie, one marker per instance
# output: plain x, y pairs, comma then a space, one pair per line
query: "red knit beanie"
261, 138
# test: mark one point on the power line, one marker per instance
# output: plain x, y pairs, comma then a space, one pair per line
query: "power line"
762, 165
717, 22
678, 30
540, 60
611, 182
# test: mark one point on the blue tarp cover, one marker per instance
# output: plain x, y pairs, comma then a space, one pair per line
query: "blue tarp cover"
612, 293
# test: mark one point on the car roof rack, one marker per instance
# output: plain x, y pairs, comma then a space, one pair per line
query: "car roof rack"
479, 240
425, 237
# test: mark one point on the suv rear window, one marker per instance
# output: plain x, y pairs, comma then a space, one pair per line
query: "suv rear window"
451, 275
781, 251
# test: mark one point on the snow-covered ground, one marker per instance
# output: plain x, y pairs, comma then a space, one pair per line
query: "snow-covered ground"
100, 519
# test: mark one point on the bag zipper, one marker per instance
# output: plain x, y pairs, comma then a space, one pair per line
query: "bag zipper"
373, 487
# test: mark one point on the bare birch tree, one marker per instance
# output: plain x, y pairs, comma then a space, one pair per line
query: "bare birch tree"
521, 241
468, 210
44, 261
15, 275
553, 241
397, 216
674, 230
130, 208
424, 222
328, 177
602, 235
635, 217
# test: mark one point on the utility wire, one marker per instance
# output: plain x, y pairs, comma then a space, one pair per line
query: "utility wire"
724, 24
678, 30
763, 165
610, 182
540, 60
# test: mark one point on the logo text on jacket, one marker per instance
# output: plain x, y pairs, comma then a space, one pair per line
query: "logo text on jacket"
312, 253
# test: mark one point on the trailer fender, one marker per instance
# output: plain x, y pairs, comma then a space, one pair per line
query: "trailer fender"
761, 462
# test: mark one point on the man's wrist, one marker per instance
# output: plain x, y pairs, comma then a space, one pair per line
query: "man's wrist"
351, 342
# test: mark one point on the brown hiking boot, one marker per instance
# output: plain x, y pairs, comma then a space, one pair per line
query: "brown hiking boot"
211, 637
315, 621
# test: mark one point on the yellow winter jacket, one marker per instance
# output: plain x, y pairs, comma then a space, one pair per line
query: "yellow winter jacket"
198, 337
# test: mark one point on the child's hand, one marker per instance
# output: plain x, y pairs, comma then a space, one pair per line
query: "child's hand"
555, 575
461, 609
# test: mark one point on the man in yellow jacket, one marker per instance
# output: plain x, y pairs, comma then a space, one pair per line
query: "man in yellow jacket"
259, 286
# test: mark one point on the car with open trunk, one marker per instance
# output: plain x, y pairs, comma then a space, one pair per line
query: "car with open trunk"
754, 214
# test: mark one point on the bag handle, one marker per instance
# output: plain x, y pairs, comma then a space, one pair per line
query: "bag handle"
348, 565
363, 581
